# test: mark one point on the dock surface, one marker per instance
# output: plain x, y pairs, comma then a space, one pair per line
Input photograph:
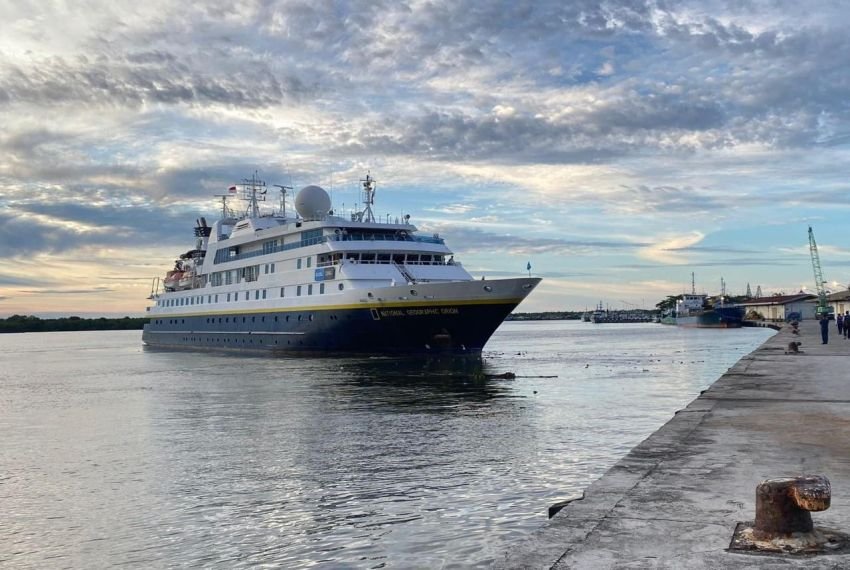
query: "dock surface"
675, 500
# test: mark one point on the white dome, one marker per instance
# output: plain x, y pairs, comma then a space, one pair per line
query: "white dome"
312, 202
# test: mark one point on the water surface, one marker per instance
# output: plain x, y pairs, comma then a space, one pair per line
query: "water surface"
114, 455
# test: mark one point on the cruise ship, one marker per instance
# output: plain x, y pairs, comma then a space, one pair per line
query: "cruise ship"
313, 281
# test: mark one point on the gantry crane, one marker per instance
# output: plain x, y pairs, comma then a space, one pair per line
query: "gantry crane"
823, 305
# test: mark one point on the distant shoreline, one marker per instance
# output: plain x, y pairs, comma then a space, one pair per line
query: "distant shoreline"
29, 323
547, 316
22, 324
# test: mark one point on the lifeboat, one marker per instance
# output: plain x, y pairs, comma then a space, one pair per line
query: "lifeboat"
186, 280
172, 280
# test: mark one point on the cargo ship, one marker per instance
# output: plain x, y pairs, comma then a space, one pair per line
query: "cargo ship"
694, 311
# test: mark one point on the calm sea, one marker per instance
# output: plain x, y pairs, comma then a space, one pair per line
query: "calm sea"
112, 455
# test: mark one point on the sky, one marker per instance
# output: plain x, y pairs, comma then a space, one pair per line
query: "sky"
618, 146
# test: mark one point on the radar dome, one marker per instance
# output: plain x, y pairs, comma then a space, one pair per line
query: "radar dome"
312, 202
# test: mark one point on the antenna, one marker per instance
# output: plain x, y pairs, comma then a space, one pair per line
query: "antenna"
283, 190
251, 188
225, 211
368, 198
693, 284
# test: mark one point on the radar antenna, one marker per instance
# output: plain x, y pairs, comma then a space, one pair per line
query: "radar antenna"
225, 211
283, 190
368, 198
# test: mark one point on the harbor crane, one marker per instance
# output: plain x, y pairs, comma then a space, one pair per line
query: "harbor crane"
823, 306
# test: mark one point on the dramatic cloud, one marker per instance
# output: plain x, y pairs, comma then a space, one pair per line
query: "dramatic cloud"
586, 135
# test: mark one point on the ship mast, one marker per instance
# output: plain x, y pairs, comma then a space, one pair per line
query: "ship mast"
283, 190
368, 198
254, 190
225, 211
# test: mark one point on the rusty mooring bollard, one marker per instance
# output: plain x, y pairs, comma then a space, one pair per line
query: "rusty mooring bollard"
783, 505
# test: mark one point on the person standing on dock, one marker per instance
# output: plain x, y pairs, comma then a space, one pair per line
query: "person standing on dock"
824, 328
846, 324
839, 323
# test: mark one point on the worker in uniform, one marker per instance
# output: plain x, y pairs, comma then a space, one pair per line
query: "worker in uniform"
824, 328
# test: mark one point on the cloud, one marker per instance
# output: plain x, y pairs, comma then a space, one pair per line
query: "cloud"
666, 249
93, 290
618, 131
468, 241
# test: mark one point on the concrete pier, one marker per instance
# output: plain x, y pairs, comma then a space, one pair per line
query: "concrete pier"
676, 499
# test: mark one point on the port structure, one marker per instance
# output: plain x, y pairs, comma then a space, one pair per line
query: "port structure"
823, 307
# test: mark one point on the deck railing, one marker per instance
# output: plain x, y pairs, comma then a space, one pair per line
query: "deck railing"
223, 255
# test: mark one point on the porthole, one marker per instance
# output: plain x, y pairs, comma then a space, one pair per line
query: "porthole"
413, 292
341, 286
488, 288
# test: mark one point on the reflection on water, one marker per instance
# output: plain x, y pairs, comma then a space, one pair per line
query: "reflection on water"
114, 455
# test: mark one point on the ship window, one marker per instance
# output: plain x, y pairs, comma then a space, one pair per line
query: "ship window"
266, 268
272, 268
341, 286
216, 298
283, 291
243, 319
256, 294
209, 298
398, 258
383, 258
367, 258
228, 297
298, 291
299, 317
309, 261
311, 317
253, 319
413, 292
321, 288
310, 289
275, 318
264, 293
298, 263
425, 259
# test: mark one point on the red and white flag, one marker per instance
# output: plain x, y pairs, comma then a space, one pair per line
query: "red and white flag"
232, 189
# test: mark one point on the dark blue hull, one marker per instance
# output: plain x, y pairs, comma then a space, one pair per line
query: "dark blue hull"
458, 328
716, 318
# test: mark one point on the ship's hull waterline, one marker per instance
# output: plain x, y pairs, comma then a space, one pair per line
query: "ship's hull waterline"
456, 321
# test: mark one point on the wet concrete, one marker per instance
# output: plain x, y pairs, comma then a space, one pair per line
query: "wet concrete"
675, 500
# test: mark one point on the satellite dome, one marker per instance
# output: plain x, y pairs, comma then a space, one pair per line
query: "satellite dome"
312, 202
